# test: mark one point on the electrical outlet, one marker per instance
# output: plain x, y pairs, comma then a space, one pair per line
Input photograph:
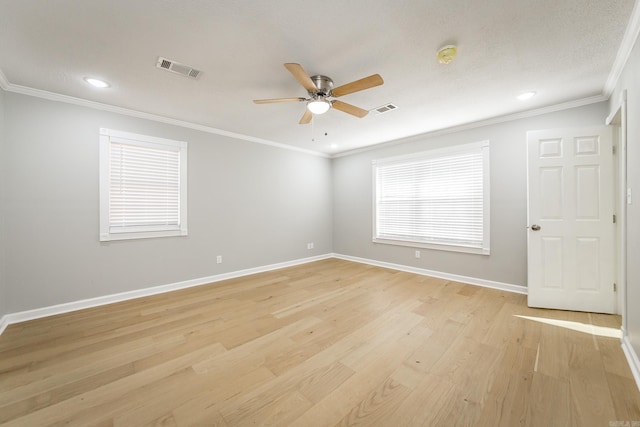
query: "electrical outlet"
417, 254
219, 259
310, 245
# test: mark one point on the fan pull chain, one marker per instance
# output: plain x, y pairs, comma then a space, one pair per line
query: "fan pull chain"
313, 129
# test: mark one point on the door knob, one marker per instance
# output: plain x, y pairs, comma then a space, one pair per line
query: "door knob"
535, 227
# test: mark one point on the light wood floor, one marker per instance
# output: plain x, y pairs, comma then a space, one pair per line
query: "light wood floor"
322, 344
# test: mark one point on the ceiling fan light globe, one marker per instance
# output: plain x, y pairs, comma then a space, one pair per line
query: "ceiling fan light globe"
318, 106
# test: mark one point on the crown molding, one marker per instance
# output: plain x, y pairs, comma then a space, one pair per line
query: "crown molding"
481, 123
624, 51
52, 96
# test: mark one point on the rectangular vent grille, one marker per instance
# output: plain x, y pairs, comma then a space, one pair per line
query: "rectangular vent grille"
178, 68
385, 108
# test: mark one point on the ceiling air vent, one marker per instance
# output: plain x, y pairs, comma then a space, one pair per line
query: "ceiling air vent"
385, 108
178, 68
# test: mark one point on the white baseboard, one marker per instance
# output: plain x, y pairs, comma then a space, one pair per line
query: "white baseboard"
4, 322
424, 272
632, 359
38, 313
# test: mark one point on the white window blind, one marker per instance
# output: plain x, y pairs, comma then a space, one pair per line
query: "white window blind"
143, 186
437, 199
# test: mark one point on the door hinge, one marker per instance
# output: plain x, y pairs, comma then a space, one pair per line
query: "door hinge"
613, 149
615, 288
614, 218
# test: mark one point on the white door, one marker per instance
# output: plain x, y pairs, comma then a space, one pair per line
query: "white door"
570, 214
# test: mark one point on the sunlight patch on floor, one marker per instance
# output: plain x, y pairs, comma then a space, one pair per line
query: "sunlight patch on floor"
601, 331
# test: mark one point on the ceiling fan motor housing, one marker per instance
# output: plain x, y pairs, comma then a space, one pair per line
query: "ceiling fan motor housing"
320, 89
324, 85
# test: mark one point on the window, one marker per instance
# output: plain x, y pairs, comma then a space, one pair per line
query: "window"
143, 186
437, 199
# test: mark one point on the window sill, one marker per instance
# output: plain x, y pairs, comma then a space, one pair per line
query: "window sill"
435, 246
107, 237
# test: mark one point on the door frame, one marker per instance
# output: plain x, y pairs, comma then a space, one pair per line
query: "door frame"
618, 120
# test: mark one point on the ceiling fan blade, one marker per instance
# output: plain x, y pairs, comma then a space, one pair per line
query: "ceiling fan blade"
306, 117
358, 85
349, 109
271, 101
301, 75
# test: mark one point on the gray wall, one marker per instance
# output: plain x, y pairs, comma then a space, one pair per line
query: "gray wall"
3, 162
352, 192
629, 81
253, 204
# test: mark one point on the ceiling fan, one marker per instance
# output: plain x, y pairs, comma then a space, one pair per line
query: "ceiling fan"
321, 90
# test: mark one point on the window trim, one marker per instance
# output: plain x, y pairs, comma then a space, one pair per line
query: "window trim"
435, 153
105, 232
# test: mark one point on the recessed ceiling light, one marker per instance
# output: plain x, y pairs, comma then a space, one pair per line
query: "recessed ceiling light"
334, 145
96, 82
526, 95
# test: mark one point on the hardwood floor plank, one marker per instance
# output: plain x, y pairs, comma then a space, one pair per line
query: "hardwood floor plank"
203, 406
311, 302
368, 380
550, 402
64, 392
422, 405
322, 382
623, 390
113, 391
164, 421
272, 341
379, 403
425, 356
506, 403
281, 410
586, 379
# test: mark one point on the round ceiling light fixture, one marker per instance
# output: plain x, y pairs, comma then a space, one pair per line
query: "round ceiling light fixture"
447, 54
319, 106
96, 82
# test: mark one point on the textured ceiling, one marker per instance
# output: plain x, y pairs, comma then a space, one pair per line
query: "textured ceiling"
563, 49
